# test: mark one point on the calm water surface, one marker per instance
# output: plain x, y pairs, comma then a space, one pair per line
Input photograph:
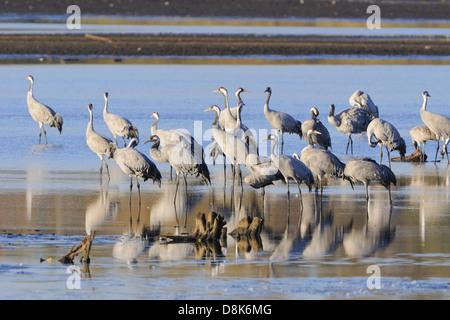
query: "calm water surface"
51, 195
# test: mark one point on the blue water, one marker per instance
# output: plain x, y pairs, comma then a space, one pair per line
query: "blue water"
180, 93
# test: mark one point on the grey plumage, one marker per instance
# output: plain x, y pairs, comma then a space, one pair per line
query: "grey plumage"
42, 113
349, 121
235, 149
280, 121
118, 125
367, 171
323, 138
182, 159
263, 172
135, 164
438, 124
385, 134
362, 100
291, 168
322, 162
99, 144
419, 136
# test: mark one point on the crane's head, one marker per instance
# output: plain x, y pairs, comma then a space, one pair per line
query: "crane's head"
268, 89
312, 131
271, 137
221, 90
105, 95
153, 138
314, 111
426, 94
239, 90
90, 107
30, 77
214, 108
296, 156
155, 115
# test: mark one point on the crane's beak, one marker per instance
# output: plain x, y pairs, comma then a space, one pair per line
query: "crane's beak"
209, 109
217, 90
245, 91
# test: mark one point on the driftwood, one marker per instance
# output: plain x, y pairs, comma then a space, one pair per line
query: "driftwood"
248, 227
209, 227
84, 247
414, 157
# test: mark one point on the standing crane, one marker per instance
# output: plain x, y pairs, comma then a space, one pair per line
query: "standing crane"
99, 144
118, 125
362, 100
235, 149
226, 120
322, 138
291, 168
438, 124
349, 121
367, 171
41, 113
280, 121
385, 134
419, 136
182, 159
135, 164
321, 162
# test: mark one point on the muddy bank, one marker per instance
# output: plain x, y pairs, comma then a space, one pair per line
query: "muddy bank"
216, 45
236, 8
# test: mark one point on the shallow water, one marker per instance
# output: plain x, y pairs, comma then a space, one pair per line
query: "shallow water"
51, 195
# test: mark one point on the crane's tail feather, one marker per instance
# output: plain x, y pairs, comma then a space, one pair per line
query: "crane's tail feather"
57, 122
133, 132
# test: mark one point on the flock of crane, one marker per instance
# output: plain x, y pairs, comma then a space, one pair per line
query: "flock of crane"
235, 142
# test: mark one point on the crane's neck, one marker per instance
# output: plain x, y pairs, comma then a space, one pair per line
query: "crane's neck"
266, 105
216, 119
105, 108
331, 118
156, 145
153, 127
272, 149
225, 96
90, 126
424, 104
30, 90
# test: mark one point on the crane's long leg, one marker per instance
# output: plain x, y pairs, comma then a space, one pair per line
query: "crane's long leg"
40, 132
139, 199
381, 153
282, 142
389, 189
287, 183
300, 194
129, 202
437, 150
366, 185
107, 168
176, 189
422, 156
389, 156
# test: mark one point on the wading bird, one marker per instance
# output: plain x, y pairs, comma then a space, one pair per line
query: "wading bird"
349, 121
181, 159
438, 124
226, 120
419, 136
135, 164
99, 144
321, 162
41, 113
291, 168
322, 138
367, 171
385, 134
280, 121
362, 100
235, 149
118, 125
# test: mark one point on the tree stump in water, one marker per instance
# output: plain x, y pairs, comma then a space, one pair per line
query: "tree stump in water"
248, 227
84, 247
209, 227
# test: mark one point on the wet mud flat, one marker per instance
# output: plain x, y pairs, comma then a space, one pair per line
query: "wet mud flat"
218, 45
